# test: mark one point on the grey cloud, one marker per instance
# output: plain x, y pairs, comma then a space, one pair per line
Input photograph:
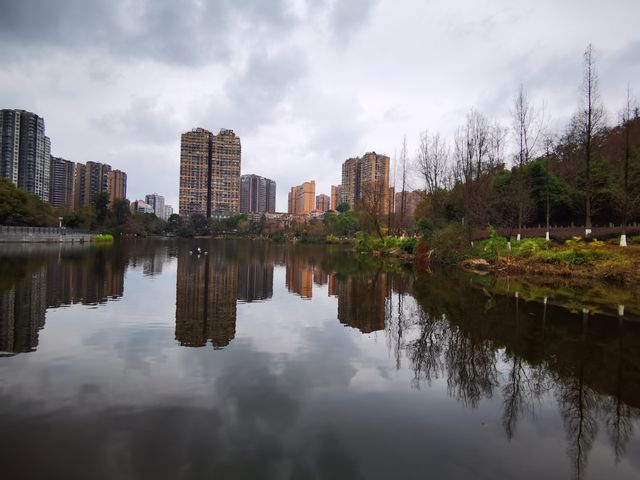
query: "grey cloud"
254, 95
188, 32
142, 121
346, 16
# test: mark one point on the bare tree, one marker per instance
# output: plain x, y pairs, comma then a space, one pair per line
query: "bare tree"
472, 147
549, 142
625, 120
403, 179
431, 163
373, 204
588, 122
391, 199
527, 130
497, 143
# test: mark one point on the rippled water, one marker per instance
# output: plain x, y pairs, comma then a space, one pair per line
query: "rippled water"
271, 361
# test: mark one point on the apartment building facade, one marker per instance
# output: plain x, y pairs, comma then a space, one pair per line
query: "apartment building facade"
210, 173
362, 174
258, 194
25, 152
302, 198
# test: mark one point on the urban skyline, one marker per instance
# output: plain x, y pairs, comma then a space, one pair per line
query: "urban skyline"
27, 162
25, 156
307, 98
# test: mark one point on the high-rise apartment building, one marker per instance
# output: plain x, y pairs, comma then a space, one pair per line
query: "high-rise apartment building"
302, 198
25, 152
258, 194
336, 195
9, 144
371, 171
410, 201
168, 211
140, 207
62, 183
322, 202
90, 180
26, 161
210, 173
117, 189
157, 203
271, 196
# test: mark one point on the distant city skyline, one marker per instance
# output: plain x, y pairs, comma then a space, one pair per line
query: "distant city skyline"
315, 82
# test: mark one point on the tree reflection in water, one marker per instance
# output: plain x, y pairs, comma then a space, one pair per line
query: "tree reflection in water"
485, 343
444, 327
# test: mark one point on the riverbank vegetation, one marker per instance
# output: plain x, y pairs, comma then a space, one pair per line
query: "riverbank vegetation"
102, 238
576, 258
24, 209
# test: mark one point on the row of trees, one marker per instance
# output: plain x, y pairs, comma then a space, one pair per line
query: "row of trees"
589, 173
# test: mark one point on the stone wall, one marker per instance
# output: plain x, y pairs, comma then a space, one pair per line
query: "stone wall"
42, 235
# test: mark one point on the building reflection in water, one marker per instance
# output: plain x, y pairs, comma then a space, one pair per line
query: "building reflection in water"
22, 311
255, 282
362, 300
206, 294
299, 279
50, 283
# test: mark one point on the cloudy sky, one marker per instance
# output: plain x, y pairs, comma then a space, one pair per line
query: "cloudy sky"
305, 83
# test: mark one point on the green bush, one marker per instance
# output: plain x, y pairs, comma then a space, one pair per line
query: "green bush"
385, 245
331, 239
102, 238
449, 243
408, 244
528, 248
363, 242
425, 227
573, 257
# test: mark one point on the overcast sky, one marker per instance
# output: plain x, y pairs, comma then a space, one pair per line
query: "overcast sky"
304, 83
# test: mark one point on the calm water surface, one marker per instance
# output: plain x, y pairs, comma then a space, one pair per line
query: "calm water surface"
271, 361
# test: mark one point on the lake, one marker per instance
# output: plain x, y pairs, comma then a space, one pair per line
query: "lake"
262, 360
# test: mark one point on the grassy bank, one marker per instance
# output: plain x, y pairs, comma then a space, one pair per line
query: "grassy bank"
577, 258
102, 238
403, 248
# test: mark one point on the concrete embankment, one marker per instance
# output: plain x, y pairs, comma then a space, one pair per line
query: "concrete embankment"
42, 235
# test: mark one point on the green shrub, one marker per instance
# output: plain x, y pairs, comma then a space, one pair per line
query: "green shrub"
573, 257
363, 242
408, 244
332, 239
528, 248
102, 238
385, 245
449, 243
496, 244
576, 252
425, 227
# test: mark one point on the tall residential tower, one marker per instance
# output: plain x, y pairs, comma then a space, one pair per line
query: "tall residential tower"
369, 171
25, 152
258, 194
302, 198
210, 173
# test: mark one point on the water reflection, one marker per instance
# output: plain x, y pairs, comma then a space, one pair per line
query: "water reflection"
34, 283
523, 351
206, 297
481, 345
